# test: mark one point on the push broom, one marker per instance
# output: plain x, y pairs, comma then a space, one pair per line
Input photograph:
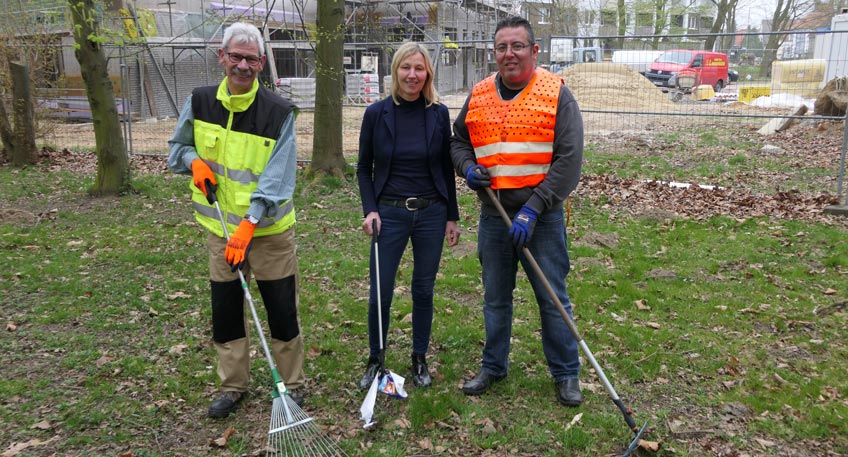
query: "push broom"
292, 431
625, 411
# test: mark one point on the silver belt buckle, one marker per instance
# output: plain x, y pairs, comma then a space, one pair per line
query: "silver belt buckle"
408, 201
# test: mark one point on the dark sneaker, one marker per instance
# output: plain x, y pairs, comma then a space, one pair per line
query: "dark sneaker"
568, 392
420, 374
480, 383
370, 372
297, 396
225, 404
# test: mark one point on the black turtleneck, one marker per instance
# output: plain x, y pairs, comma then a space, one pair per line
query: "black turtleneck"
409, 175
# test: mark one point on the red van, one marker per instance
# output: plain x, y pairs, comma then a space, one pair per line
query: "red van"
708, 67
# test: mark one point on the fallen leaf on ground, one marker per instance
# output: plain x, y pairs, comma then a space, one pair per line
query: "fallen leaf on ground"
426, 444
43, 425
652, 446
765, 443
177, 295
178, 349
574, 421
16, 448
222, 440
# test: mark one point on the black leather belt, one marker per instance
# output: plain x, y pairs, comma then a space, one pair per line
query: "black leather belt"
411, 203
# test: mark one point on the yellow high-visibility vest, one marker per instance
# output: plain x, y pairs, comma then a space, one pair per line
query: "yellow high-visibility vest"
235, 135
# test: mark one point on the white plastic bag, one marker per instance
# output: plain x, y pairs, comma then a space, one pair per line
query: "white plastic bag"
390, 384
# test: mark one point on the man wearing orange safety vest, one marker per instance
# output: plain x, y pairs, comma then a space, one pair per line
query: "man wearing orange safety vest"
521, 133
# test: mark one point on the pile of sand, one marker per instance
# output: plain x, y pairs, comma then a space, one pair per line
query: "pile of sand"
613, 86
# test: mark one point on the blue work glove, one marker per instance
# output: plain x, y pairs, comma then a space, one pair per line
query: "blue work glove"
522, 226
478, 177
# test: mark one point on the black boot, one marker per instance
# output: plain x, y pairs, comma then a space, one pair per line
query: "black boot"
370, 373
420, 374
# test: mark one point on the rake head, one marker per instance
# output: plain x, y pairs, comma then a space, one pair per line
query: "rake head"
293, 433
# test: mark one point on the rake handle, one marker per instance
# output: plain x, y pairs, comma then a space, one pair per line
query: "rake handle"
625, 411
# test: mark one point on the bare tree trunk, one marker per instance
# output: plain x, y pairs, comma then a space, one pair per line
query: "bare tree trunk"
327, 153
23, 152
113, 175
6, 134
661, 19
622, 23
722, 8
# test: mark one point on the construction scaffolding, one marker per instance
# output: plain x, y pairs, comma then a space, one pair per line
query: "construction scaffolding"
458, 35
173, 45
181, 41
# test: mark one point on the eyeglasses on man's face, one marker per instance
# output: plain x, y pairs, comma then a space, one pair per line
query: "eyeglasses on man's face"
516, 47
235, 58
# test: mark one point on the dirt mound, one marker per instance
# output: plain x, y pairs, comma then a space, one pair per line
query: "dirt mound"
612, 86
833, 99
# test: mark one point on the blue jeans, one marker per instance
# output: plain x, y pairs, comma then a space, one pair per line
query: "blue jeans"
426, 229
499, 260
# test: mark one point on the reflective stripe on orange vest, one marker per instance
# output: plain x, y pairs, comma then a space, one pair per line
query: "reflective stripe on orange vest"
514, 138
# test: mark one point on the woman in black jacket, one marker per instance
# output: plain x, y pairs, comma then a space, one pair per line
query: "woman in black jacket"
407, 186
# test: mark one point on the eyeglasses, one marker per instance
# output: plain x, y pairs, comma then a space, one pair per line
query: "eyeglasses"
516, 47
251, 60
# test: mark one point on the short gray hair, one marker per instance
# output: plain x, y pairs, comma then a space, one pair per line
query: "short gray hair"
241, 33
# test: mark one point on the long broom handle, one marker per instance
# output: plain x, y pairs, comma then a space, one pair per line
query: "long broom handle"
568, 321
278, 380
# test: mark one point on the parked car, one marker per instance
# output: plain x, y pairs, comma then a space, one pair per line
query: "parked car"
732, 75
709, 68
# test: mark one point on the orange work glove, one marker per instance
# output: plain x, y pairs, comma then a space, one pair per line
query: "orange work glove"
239, 245
201, 172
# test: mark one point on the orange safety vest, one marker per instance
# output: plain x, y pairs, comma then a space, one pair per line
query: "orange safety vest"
514, 138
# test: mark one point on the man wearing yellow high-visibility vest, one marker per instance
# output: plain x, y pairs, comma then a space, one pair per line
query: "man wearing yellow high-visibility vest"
239, 137
521, 133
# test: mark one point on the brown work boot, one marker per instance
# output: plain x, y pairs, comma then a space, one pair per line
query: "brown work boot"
225, 404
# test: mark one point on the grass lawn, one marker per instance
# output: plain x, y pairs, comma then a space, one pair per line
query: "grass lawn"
725, 333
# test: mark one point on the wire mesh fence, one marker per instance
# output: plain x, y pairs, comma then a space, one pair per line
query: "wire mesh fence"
740, 98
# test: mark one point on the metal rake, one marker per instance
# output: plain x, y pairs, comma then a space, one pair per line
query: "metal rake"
294, 433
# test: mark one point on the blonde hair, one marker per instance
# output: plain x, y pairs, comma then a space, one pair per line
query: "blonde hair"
429, 90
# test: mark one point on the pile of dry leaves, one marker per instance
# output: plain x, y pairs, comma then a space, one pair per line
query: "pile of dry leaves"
817, 147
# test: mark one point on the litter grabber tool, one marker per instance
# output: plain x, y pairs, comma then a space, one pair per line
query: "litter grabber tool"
386, 381
625, 411
292, 431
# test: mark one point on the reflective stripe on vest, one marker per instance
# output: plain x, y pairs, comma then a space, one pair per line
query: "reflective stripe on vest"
514, 138
236, 170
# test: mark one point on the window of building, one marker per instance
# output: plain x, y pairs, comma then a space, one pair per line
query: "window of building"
693, 22
644, 19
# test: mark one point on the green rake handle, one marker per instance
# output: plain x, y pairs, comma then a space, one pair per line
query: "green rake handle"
625, 411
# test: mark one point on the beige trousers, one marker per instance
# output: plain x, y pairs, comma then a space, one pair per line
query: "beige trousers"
270, 258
